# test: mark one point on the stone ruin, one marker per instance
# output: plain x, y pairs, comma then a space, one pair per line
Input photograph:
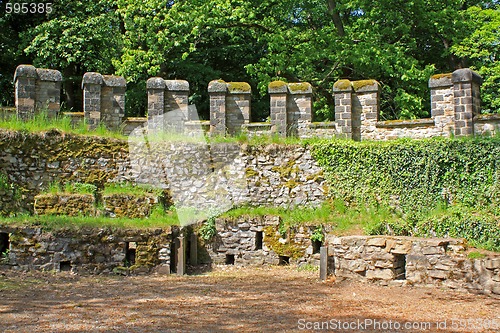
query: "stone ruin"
455, 107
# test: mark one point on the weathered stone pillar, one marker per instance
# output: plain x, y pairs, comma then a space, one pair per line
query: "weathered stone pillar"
217, 90
113, 101
342, 92
238, 106
467, 100
176, 105
91, 85
323, 263
366, 104
25, 95
181, 255
155, 87
442, 108
299, 107
278, 91
48, 91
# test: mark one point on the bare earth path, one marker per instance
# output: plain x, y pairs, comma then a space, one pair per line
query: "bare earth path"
278, 299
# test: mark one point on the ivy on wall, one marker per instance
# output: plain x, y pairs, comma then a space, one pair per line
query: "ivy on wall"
416, 177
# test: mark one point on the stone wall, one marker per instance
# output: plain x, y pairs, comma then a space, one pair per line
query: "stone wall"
455, 110
37, 90
245, 240
88, 250
264, 175
65, 204
413, 261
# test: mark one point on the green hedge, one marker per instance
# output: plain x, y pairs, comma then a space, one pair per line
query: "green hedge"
415, 177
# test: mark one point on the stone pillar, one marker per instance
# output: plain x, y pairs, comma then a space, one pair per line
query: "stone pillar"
342, 92
91, 85
299, 107
278, 91
366, 104
181, 255
48, 91
176, 105
323, 263
238, 106
113, 101
467, 100
155, 87
217, 90
442, 108
25, 91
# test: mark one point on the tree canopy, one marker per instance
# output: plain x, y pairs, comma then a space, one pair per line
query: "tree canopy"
399, 43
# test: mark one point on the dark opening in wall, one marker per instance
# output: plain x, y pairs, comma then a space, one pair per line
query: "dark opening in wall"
316, 244
65, 266
400, 266
229, 259
4, 242
259, 236
173, 257
284, 260
130, 248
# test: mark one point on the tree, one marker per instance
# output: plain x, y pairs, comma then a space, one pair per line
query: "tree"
482, 49
76, 37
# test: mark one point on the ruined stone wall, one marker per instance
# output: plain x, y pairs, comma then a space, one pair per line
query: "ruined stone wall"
413, 261
267, 175
245, 240
88, 250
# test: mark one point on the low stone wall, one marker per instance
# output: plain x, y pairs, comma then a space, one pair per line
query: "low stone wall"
413, 261
88, 250
257, 240
65, 204
127, 205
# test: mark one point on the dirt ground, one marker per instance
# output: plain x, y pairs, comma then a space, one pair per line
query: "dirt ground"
269, 299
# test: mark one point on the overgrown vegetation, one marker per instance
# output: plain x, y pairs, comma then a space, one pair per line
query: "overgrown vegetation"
41, 122
435, 187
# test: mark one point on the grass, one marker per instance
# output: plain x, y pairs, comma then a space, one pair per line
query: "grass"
157, 219
345, 220
71, 188
41, 123
128, 188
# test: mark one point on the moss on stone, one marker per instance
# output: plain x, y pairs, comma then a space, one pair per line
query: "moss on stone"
440, 76
299, 86
250, 172
342, 84
363, 83
289, 249
277, 84
238, 87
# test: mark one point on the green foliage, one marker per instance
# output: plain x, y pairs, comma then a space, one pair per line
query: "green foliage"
420, 188
476, 255
413, 175
208, 231
131, 189
318, 234
482, 48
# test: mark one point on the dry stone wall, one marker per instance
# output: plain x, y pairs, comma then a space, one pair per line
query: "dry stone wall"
248, 240
413, 261
88, 250
267, 175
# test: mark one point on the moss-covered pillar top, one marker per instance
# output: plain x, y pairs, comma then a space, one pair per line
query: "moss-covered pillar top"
91, 84
342, 93
278, 91
217, 90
